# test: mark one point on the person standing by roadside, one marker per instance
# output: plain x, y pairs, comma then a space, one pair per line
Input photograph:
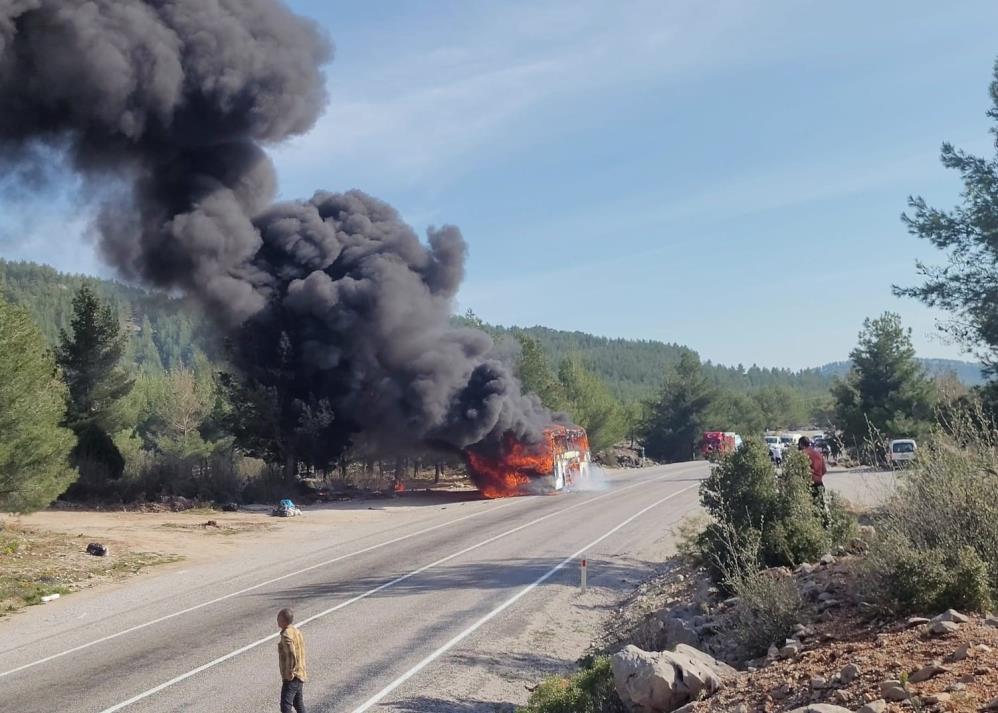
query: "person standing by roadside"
291, 657
818, 470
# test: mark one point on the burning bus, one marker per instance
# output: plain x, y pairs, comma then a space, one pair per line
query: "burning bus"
558, 461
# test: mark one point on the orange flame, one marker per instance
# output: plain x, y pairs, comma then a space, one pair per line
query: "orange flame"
517, 467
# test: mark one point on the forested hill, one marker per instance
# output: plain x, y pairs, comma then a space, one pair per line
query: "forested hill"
633, 368
170, 331
167, 332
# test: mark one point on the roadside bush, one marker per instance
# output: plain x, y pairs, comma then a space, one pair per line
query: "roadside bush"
907, 579
904, 578
590, 690
687, 536
769, 607
938, 543
842, 526
755, 510
796, 533
267, 485
969, 587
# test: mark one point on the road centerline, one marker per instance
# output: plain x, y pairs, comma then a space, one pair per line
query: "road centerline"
245, 590
377, 697
364, 595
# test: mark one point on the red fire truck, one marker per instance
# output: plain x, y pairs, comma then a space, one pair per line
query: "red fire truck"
716, 442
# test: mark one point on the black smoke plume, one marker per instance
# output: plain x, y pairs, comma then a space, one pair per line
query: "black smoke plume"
164, 108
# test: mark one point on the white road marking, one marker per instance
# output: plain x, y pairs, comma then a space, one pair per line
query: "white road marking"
222, 598
377, 697
259, 642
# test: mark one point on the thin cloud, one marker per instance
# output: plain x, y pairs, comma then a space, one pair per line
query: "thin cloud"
433, 106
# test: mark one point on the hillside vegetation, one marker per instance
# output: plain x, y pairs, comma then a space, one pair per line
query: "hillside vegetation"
156, 407
168, 332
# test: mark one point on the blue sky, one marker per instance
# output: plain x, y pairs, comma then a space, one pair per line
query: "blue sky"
699, 173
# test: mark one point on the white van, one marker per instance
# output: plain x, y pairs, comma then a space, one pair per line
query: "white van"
901, 450
790, 440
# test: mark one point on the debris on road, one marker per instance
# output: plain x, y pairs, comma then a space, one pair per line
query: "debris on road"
97, 549
286, 508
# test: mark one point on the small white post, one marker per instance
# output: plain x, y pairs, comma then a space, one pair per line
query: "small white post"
582, 570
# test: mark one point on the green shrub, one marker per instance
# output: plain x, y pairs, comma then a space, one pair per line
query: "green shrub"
749, 502
590, 690
907, 579
938, 533
741, 488
769, 607
842, 526
969, 587
903, 577
687, 535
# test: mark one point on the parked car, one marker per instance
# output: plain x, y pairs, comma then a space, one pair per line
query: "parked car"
901, 451
823, 446
789, 440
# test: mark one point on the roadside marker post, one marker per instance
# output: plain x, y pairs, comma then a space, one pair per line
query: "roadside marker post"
583, 568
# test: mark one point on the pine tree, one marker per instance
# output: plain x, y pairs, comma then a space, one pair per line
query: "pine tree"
34, 447
591, 405
966, 286
147, 357
90, 357
676, 418
886, 393
535, 375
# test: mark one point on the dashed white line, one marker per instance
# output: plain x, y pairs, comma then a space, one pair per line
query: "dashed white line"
259, 642
377, 697
222, 598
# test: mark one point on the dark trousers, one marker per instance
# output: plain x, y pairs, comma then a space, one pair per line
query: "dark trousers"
291, 696
820, 504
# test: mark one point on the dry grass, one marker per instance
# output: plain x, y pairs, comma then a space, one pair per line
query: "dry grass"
36, 563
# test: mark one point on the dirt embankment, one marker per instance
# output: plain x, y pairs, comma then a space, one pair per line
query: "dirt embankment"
844, 653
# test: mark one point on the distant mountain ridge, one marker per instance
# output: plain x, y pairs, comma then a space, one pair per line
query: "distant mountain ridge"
967, 372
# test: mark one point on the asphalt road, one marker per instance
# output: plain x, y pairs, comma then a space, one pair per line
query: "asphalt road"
394, 616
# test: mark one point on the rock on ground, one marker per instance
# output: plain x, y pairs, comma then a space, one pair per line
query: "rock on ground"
659, 682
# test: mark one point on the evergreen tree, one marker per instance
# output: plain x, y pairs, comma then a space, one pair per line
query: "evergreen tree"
676, 418
591, 405
886, 391
146, 353
90, 356
178, 412
34, 447
733, 411
535, 375
274, 414
967, 286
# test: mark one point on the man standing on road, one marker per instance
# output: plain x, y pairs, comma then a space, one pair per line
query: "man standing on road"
818, 470
291, 656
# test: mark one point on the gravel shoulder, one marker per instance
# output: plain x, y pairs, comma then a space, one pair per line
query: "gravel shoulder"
44, 553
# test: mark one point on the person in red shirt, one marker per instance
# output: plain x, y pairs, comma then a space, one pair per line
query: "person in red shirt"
818, 470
